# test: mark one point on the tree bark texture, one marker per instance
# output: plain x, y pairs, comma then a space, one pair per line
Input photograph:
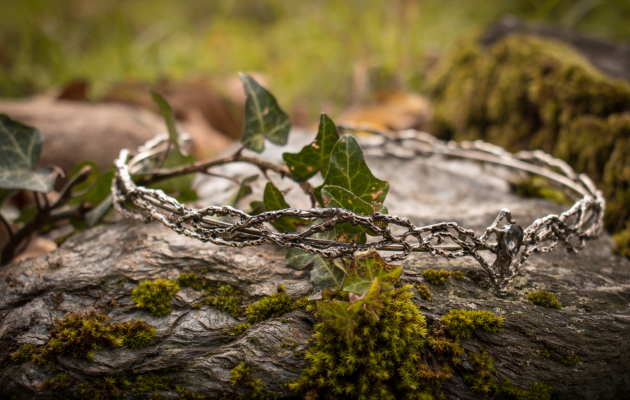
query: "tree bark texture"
100, 267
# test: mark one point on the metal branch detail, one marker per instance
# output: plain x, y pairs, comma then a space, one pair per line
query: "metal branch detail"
513, 244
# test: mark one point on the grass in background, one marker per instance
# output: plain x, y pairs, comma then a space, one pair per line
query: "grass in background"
308, 49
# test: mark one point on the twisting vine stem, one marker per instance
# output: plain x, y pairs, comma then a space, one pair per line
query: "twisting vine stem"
584, 220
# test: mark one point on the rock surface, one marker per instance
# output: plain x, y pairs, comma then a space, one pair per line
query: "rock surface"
96, 267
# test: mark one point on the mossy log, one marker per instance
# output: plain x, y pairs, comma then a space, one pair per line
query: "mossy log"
582, 350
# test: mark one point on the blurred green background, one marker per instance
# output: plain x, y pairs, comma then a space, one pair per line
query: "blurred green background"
307, 49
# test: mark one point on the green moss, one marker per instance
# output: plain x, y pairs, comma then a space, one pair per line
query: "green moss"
240, 378
59, 383
546, 353
485, 381
185, 394
459, 275
544, 298
151, 382
540, 94
461, 323
80, 334
424, 292
228, 300
435, 277
384, 360
538, 186
154, 296
273, 306
107, 388
25, 353
237, 330
570, 360
191, 280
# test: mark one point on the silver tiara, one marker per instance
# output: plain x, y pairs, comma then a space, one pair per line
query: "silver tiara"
512, 245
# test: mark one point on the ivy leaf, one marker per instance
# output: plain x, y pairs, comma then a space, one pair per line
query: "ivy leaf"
327, 274
243, 190
336, 315
366, 266
298, 259
20, 147
257, 207
98, 186
169, 118
338, 197
95, 214
316, 156
263, 117
274, 200
369, 301
348, 170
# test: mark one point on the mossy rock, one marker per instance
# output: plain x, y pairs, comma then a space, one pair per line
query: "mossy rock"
527, 92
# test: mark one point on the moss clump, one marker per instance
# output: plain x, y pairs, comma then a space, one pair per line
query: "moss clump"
546, 353
191, 280
570, 360
273, 306
228, 300
540, 94
151, 382
538, 186
155, 296
59, 383
461, 323
435, 277
237, 330
107, 388
80, 334
241, 378
185, 394
484, 381
25, 353
459, 275
424, 292
544, 298
383, 361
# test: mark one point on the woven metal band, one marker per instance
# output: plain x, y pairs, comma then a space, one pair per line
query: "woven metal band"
513, 245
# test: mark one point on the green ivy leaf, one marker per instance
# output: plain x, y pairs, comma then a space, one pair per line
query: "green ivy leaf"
274, 200
370, 301
366, 266
348, 170
338, 197
243, 190
178, 185
263, 117
99, 185
298, 259
20, 147
95, 214
327, 274
169, 117
316, 156
257, 207
336, 315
